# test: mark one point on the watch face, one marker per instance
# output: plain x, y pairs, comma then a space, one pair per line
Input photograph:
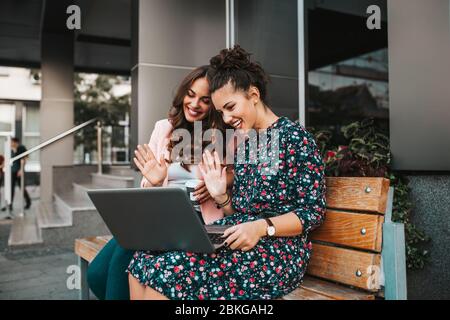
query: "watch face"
270, 231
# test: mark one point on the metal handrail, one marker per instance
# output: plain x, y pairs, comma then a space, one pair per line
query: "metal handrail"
9, 161
49, 141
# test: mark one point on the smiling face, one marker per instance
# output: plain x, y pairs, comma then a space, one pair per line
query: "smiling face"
197, 101
236, 106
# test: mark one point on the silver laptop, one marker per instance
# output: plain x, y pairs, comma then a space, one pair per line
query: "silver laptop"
157, 219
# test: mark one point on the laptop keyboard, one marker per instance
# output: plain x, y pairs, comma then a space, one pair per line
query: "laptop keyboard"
216, 238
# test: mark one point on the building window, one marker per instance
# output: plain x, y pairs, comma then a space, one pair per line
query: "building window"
348, 69
7, 115
106, 97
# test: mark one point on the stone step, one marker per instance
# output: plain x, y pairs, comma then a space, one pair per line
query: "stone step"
112, 181
53, 227
70, 216
72, 201
82, 188
25, 230
50, 216
86, 223
124, 171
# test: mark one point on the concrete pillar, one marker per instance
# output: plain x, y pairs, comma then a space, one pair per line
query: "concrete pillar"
419, 95
169, 38
18, 120
274, 31
56, 110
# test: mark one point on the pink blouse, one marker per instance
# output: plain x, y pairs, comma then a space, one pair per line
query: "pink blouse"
158, 144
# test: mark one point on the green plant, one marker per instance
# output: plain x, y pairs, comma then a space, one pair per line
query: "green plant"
416, 257
94, 98
367, 154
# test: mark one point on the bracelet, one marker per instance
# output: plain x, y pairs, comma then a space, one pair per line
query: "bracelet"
221, 205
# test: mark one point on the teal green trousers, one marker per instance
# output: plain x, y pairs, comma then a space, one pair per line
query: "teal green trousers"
107, 275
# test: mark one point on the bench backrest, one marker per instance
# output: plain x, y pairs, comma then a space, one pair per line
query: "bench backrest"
347, 247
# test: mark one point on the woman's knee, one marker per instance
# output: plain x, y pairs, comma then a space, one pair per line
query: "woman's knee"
152, 294
136, 288
97, 273
117, 287
96, 278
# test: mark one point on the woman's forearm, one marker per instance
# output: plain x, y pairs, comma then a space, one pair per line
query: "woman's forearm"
286, 225
147, 184
144, 183
228, 208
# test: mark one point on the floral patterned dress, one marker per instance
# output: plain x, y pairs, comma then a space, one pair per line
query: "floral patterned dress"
275, 266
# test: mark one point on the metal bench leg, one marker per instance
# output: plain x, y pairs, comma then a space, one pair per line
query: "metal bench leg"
394, 261
394, 256
84, 286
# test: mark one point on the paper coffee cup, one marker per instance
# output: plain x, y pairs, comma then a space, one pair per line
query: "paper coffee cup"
190, 188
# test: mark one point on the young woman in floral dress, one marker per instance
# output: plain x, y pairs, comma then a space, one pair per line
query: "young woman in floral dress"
272, 209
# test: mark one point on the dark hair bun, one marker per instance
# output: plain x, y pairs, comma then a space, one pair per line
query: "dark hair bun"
235, 66
235, 58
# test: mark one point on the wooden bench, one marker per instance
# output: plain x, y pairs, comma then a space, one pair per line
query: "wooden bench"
358, 252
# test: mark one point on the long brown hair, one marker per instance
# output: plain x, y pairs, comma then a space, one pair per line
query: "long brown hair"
178, 119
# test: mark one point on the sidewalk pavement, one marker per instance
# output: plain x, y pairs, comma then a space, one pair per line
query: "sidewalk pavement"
33, 272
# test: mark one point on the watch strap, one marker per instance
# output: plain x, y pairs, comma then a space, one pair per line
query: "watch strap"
269, 222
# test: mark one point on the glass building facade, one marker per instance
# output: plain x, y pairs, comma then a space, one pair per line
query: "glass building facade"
342, 85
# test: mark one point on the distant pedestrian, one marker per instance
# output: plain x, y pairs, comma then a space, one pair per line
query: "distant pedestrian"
17, 170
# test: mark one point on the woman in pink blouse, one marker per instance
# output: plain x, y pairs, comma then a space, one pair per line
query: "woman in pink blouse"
159, 166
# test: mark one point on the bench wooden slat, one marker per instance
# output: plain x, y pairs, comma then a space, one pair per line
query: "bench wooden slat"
104, 239
341, 265
351, 193
87, 248
345, 228
316, 289
334, 291
302, 294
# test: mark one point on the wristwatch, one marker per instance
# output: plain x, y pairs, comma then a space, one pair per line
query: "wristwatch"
270, 228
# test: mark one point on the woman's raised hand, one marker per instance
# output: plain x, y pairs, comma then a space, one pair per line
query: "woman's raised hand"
153, 170
214, 175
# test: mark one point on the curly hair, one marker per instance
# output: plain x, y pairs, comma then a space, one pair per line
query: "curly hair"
235, 66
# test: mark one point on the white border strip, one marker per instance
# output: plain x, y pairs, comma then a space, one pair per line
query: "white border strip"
301, 61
